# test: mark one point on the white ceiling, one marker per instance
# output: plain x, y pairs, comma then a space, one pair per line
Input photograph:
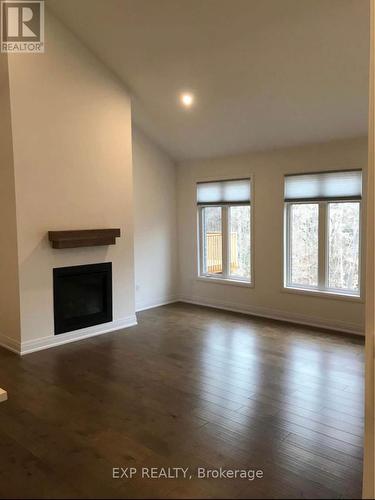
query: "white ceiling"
265, 73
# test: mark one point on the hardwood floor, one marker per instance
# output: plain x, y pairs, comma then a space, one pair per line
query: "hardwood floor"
188, 387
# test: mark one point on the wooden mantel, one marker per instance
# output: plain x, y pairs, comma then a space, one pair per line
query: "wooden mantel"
3, 395
83, 238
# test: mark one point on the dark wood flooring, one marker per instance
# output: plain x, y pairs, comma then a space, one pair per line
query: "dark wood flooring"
188, 387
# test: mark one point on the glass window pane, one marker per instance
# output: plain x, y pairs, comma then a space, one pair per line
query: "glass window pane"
212, 240
343, 246
304, 252
239, 245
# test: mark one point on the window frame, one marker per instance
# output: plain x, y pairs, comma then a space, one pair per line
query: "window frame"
225, 277
322, 288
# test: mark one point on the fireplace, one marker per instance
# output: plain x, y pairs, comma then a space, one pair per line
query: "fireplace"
82, 296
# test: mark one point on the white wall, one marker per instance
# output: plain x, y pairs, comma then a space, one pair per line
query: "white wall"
73, 169
267, 170
155, 224
9, 291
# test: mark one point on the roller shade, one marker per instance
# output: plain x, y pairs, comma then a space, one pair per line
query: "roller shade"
342, 185
224, 192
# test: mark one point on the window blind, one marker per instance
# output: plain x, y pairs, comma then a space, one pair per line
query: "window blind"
341, 185
224, 192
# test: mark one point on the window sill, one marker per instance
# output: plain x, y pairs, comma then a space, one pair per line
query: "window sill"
225, 281
323, 294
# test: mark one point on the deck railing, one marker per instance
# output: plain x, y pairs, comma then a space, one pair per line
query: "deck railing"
214, 253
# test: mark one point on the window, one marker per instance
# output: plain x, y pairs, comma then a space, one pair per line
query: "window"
343, 246
304, 223
212, 240
322, 231
224, 214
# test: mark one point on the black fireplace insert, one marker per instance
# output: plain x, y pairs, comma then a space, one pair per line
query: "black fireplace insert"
82, 296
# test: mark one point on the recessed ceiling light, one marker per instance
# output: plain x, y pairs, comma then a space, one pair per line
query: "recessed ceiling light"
187, 99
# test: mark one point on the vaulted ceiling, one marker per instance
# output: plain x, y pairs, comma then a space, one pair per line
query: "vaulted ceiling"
265, 73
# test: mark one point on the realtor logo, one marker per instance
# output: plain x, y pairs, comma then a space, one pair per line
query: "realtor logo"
22, 26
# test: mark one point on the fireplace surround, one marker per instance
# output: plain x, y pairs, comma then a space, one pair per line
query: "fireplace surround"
82, 296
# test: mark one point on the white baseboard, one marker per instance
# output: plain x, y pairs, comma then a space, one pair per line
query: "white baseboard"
156, 303
264, 312
55, 340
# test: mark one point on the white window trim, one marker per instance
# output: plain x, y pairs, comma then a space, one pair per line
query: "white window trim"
225, 281
322, 289
225, 278
323, 294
